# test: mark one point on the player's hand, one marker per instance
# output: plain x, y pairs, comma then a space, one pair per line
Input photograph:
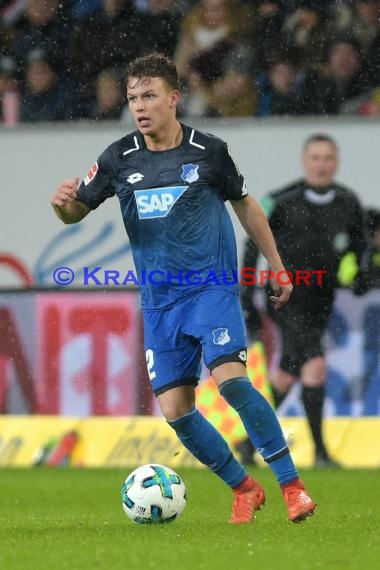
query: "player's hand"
66, 193
281, 294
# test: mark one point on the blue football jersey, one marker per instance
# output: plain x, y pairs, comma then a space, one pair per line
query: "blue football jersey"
172, 203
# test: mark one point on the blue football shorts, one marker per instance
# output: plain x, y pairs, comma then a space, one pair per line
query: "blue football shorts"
210, 321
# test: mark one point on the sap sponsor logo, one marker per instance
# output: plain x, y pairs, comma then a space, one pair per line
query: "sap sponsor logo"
91, 173
190, 173
157, 202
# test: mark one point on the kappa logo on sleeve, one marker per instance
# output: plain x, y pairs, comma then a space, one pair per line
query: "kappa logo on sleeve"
157, 202
91, 173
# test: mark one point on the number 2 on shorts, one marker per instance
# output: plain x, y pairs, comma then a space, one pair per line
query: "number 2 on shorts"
150, 363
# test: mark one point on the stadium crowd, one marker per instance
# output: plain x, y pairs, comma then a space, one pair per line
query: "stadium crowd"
65, 60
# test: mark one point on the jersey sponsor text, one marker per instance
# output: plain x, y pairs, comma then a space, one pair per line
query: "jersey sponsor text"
157, 202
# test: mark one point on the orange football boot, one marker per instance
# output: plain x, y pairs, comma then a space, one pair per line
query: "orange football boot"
249, 497
299, 504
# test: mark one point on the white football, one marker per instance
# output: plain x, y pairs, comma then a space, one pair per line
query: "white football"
153, 494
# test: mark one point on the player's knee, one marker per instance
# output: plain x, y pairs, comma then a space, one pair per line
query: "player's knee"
182, 424
176, 410
177, 402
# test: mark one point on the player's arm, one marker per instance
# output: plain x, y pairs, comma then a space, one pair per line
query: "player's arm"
253, 220
250, 311
72, 202
66, 204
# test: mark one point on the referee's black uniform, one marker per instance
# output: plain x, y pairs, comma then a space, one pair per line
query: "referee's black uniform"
313, 229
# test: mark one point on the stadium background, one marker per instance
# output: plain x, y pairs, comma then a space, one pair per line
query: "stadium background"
76, 352
73, 357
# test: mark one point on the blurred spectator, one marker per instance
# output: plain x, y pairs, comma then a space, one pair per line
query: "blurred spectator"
346, 74
342, 14
211, 36
234, 95
373, 61
288, 89
10, 14
195, 98
181, 6
160, 25
11, 11
109, 100
267, 30
109, 38
9, 94
215, 43
310, 29
44, 27
277, 89
81, 9
370, 106
366, 22
46, 96
208, 34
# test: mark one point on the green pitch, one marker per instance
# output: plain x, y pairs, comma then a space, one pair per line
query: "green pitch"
53, 519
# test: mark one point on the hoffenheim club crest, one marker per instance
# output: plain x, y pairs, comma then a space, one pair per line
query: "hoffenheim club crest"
220, 336
190, 172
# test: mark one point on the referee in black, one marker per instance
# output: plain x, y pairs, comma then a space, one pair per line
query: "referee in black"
315, 221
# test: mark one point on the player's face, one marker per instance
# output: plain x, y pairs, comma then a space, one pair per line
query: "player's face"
152, 104
320, 161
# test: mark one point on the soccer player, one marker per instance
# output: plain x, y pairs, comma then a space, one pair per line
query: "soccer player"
315, 221
172, 182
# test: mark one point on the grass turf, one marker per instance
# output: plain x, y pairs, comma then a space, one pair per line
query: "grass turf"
68, 518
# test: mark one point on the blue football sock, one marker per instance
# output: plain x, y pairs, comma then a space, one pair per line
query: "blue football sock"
208, 446
262, 426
